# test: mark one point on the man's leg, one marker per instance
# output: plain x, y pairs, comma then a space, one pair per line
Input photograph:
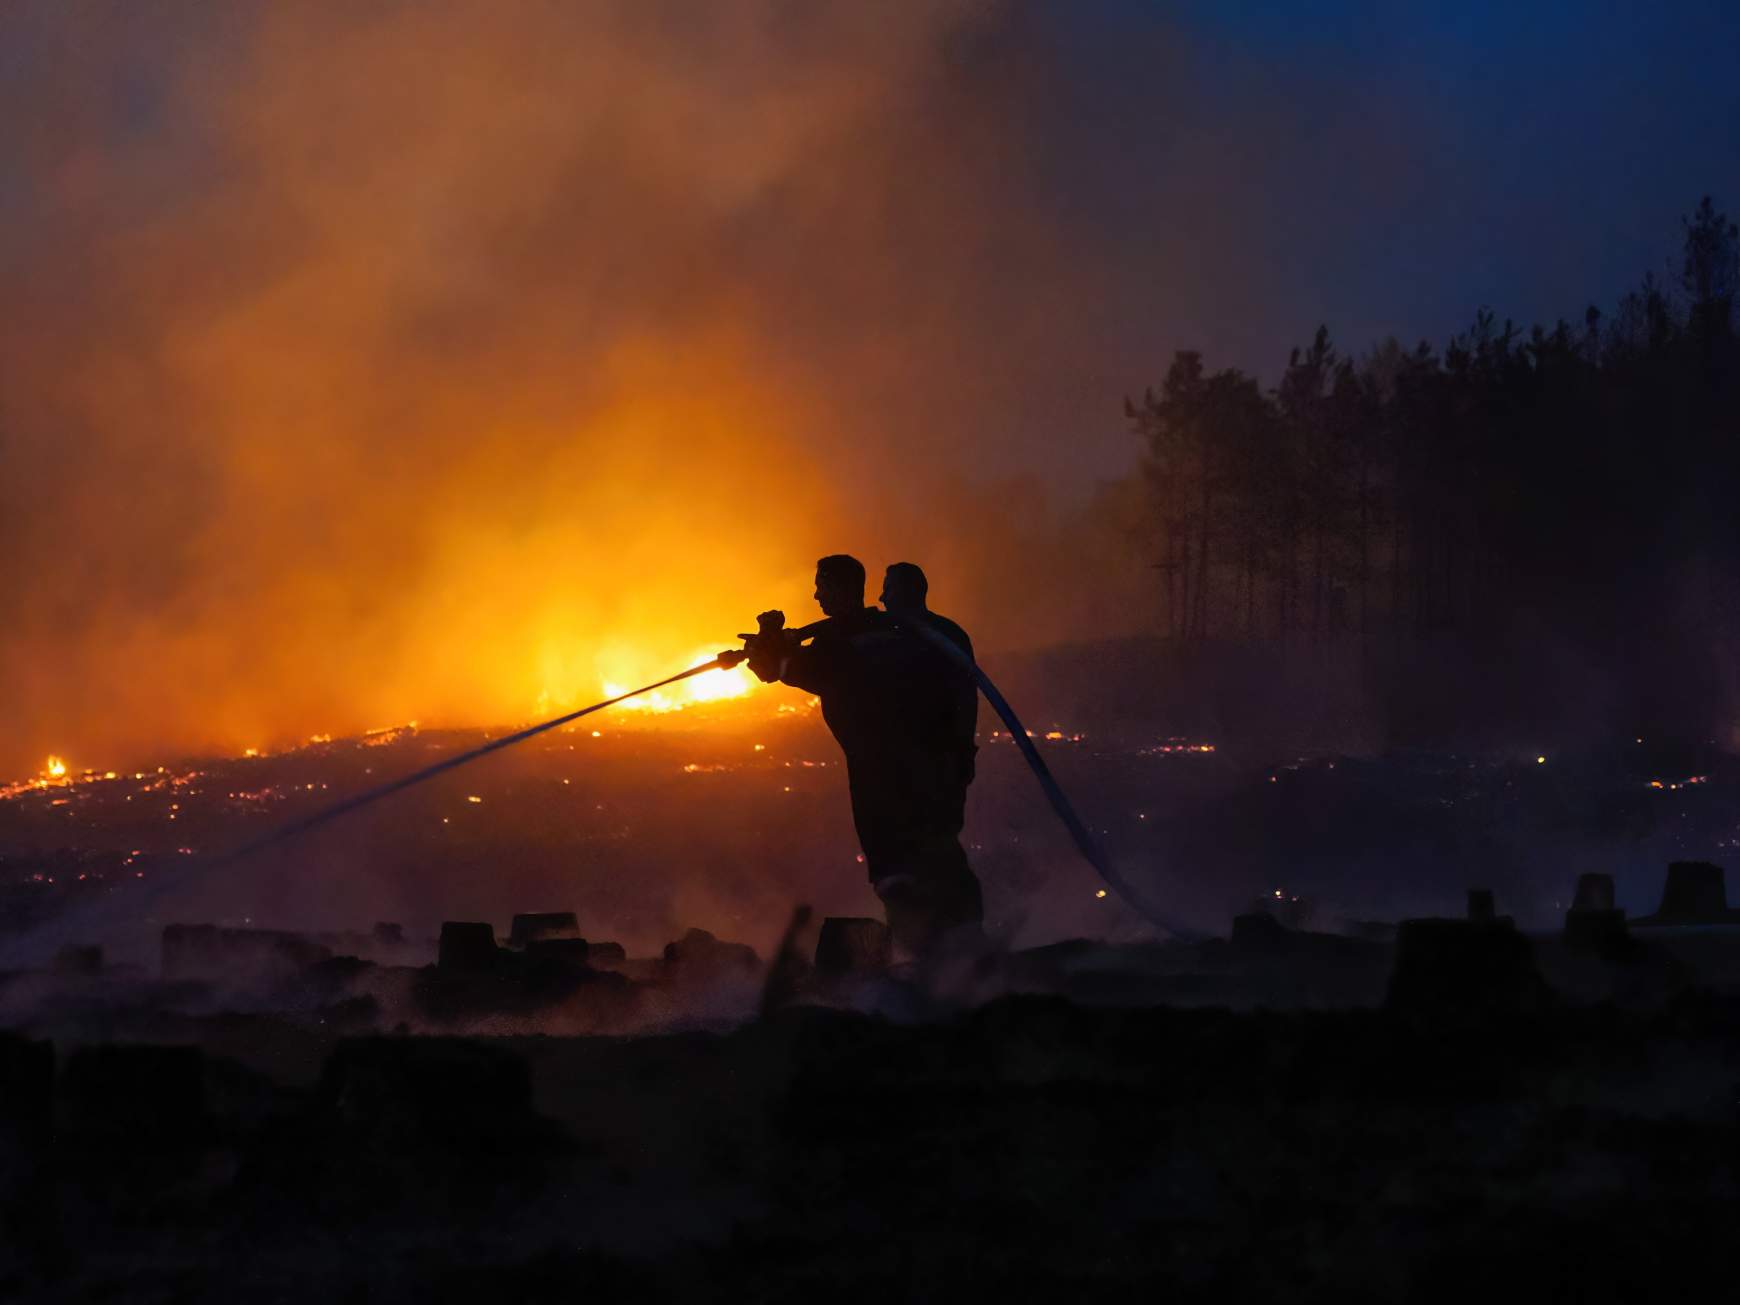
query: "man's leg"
929, 894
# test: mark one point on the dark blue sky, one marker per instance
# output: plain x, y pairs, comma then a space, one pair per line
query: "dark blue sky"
1387, 168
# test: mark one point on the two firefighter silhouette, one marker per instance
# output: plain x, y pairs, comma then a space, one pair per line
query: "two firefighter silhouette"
898, 692
899, 689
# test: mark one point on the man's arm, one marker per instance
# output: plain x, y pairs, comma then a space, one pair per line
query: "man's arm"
806, 668
775, 654
769, 647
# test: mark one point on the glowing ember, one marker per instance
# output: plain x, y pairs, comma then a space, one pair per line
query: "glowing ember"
1676, 784
1051, 736
714, 686
1175, 745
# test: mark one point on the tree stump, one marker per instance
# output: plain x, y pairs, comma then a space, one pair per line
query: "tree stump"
535, 926
466, 945
853, 945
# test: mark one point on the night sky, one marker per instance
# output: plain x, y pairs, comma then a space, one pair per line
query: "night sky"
1243, 171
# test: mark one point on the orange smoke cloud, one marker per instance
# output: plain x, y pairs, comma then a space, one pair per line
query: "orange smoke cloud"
391, 361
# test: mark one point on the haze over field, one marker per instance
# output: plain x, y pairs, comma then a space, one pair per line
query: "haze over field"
368, 363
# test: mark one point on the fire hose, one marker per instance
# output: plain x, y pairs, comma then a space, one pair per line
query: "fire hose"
724, 661
1055, 796
63, 928
1084, 841
1090, 850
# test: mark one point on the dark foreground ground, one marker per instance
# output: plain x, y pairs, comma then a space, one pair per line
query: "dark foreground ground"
345, 1114
1477, 1131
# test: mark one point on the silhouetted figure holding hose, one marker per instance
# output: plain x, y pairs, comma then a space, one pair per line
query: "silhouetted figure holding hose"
905, 597
891, 701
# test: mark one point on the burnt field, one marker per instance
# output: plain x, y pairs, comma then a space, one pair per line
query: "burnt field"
724, 817
343, 1067
1032, 1145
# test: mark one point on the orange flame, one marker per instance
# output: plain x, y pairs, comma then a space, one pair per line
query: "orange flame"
713, 686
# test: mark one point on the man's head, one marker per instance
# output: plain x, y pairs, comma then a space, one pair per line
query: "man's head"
839, 584
904, 588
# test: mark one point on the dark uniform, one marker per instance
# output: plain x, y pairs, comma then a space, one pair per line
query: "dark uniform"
893, 702
963, 694
949, 630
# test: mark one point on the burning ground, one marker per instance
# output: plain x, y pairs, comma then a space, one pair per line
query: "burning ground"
728, 813
288, 1077
724, 815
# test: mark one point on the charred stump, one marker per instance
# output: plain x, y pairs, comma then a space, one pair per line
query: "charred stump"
699, 956
467, 947
852, 945
1694, 894
536, 926
1453, 966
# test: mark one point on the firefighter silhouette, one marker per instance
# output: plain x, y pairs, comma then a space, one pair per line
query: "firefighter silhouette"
896, 706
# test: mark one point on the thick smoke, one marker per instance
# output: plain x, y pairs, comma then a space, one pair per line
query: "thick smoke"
370, 363
366, 362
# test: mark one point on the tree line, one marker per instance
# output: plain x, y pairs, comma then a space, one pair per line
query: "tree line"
1583, 479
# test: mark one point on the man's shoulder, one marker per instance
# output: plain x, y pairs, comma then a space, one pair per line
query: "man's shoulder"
942, 625
852, 626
